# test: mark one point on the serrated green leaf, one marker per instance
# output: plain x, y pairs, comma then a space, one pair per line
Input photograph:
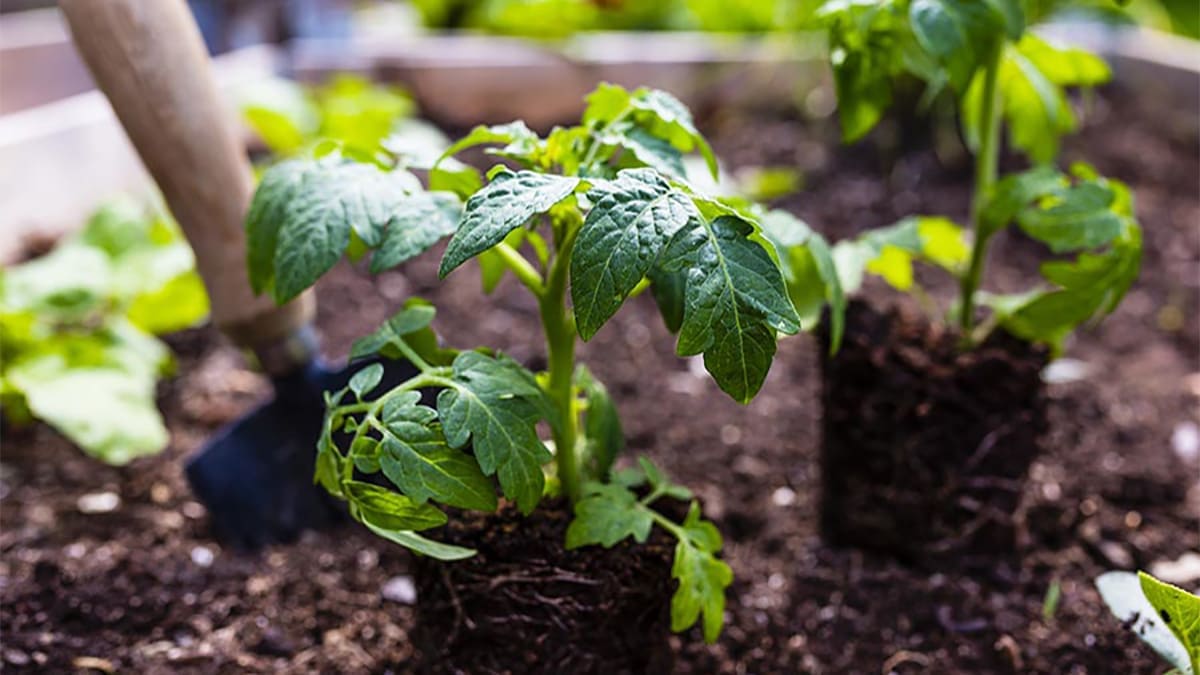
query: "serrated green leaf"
501, 207
654, 152
415, 542
664, 116
414, 456
495, 404
632, 219
1080, 216
607, 514
1049, 208
734, 301
605, 440
702, 577
415, 225
365, 380
388, 510
520, 141
302, 215
416, 315
1091, 285
1179, 611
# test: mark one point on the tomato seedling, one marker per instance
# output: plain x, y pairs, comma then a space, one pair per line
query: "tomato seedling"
999, 73
596, 213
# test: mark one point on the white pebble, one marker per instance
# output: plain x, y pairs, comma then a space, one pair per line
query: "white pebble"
203, 556
1186, 440
400, 589
784, 496
98, 502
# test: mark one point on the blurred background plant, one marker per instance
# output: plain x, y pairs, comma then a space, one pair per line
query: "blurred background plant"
79, 324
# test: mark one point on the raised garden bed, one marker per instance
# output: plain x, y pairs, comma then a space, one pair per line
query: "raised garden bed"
142, 587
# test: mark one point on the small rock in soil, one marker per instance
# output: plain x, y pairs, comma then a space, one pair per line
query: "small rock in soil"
98, 502
1184, 571
1185, 439
202, 556
1116, 555
400, 589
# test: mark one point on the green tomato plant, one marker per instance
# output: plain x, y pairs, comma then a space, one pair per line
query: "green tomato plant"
78, 330
1000, 74
583, 218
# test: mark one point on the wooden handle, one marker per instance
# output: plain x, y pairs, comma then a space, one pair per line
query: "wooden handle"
148, 58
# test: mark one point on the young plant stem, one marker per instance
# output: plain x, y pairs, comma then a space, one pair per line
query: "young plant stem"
986, 162
559, 327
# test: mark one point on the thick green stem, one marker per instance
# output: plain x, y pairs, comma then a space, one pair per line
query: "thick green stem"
559, 326
520, 267
985, 176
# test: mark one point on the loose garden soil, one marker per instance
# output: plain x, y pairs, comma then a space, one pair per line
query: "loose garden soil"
143, 588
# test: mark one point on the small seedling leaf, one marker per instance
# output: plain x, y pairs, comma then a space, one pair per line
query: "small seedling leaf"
605, 515
495, 404
702, 577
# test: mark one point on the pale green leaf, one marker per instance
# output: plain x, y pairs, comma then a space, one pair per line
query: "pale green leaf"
702, 578
607, 514
385, 509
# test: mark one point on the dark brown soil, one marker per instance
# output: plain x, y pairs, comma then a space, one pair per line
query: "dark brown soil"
524, 604
144, 589
925, 447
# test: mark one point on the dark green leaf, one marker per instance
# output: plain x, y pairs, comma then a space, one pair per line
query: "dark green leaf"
735, 300
631, 220
495, 404
302, 215
418, 223
668, 290
1079, 217
654, 152
607, 514
415, 457
501, 207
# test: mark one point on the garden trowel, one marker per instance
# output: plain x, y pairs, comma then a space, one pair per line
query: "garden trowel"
256, 475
